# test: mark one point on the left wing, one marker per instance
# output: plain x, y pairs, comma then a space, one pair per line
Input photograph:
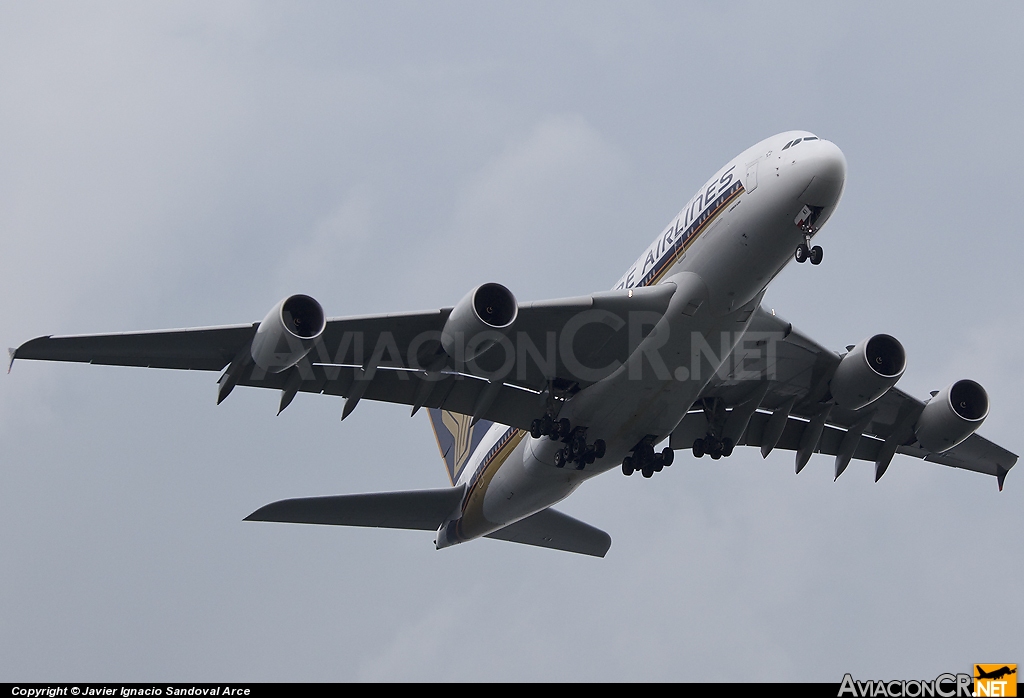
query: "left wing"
774, 393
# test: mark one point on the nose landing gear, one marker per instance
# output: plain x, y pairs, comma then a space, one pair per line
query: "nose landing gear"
805, 221
803, 253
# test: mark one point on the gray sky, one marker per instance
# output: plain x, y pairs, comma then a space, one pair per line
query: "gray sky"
170, 165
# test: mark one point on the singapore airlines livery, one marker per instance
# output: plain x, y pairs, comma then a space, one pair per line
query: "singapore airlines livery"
529, 400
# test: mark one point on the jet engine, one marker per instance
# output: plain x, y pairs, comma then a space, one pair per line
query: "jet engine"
870, 369
287, 333
471, 327
951, 416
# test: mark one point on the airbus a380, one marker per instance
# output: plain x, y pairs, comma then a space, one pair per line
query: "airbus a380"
528, 401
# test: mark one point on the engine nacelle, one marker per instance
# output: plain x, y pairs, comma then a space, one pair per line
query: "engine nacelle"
470, 329
870, 369
287, 333
951, 416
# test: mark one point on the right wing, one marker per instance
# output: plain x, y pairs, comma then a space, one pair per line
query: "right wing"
397, 357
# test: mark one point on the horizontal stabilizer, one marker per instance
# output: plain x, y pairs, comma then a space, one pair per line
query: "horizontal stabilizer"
421, 510
558, 531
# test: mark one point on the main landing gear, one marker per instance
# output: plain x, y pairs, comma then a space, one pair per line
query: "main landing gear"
647, 461
716, 448
576, 449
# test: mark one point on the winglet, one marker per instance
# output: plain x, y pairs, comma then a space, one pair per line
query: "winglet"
1001, 476
11, 352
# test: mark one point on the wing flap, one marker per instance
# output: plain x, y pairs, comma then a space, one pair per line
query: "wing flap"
977, 453
421, 510
553, 529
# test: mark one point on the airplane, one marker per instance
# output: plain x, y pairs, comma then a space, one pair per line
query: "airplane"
530, 400
996, 674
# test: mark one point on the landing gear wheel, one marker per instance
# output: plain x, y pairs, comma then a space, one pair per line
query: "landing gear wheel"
564, 427
802, 253
627, 466
599, 448
698, 448
816, 254
658, 464
647, 471
716, 450
667, 456
577, 447
589, 456
546, 425
560, 458
727, 446
535, 429
646, 453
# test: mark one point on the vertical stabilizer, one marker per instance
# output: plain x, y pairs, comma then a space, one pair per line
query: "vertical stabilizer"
457, 438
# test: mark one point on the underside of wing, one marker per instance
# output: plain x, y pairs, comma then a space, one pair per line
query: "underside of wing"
779, 390
198, 349
552, 350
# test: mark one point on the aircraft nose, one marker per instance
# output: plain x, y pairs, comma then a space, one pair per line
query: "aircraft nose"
826, 164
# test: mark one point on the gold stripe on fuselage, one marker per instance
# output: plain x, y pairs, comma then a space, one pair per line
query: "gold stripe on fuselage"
472, 523
700, 230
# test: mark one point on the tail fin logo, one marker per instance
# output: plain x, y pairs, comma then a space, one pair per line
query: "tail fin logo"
457, 437
459, 426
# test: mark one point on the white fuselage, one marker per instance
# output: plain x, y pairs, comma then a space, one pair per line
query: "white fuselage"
720, 251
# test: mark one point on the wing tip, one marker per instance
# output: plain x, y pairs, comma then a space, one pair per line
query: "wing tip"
11, 352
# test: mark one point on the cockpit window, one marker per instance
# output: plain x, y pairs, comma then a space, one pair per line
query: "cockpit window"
798, 140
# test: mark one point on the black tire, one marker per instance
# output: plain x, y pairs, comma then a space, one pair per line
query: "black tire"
564, 428
600, 448
668, 456
801, 253
716, 456
716, 450
646, 453
589, 456
535, 429
627, 466
658, 464
546, 425
727, 446
560, 458
577, 447
648, 471
816, 254
698, 448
